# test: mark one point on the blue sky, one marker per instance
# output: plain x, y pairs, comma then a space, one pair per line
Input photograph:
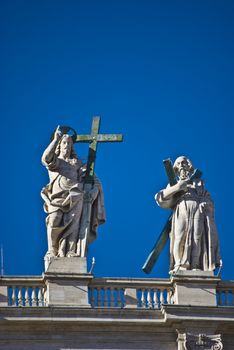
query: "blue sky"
160, 72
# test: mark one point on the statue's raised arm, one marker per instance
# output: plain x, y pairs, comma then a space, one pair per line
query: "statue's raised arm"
65, 196
49, 156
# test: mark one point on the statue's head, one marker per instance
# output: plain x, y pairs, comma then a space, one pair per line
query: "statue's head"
183, 167
65, 147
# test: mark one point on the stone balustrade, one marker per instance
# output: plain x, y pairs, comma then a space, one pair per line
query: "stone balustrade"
225, 293
123, 292
30, 291
22, 291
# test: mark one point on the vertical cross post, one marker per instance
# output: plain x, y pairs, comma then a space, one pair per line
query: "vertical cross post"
92, 150
93, 138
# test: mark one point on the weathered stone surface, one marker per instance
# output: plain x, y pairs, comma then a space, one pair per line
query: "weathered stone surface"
189, 341
75, 328
194, 237
195, 288
67, 292
195, 273
3, 296
67, 282
130, 297
74, 208
74, 265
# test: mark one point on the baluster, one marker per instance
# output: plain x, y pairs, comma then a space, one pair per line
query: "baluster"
40, 296
219, 301
20, 297
232, 300
92, 300
161, 297
143, 303
8, 296
138, 291
30, 296
34, 297
112, 297
99, 297
105, 297
149, 300
155, 298
45, 296
13, 297
26, 296
169, 294
118, 298
226, 298
172, 296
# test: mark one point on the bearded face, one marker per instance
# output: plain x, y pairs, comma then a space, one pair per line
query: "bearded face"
66, 146
183, 168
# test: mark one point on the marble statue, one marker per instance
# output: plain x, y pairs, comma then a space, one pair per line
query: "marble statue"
194, 243
66, 196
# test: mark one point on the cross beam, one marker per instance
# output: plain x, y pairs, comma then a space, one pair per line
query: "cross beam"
93, 138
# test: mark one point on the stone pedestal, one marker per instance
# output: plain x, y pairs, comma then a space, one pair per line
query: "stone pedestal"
74, 265
3, 296
67, 282
195, 288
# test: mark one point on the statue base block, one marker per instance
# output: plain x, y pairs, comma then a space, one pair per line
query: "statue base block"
195, 288
74, 265
67, 282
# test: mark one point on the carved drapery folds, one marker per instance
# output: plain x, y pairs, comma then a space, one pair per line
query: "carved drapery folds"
188, 341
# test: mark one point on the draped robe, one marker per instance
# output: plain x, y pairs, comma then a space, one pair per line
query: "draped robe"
193, 225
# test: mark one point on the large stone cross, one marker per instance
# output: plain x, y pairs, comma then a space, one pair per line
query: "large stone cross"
93, 138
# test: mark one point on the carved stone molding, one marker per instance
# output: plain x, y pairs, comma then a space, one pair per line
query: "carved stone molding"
188, 341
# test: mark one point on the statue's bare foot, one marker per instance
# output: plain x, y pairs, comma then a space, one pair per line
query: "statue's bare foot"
175, 270
179, 267
71, 254
51, 254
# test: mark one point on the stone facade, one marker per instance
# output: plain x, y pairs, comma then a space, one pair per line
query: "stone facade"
84, 312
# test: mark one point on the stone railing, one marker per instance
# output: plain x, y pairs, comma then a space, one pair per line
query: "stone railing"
103, 292
22, 291
225, 293
30, 291
126, 292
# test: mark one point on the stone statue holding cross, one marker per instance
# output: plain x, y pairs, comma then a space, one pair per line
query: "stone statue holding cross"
74, 197
194, 243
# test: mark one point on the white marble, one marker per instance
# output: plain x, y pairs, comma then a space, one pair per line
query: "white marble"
74, 209
194, 242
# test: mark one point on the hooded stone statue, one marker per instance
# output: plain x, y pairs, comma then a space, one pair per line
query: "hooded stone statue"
194, 243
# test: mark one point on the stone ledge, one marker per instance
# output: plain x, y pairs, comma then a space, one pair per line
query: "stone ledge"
199, 313
63, 276
78, 312
73, 265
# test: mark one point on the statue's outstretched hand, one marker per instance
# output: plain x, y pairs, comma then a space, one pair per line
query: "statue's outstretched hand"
57, 134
